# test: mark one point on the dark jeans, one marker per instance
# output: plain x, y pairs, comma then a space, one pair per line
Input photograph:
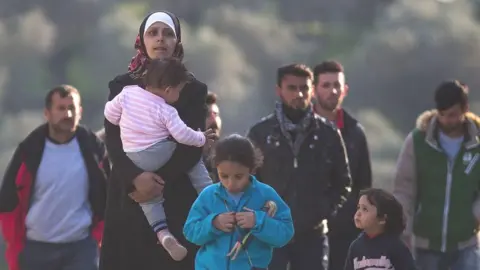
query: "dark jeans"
306, 253
465, 259
81, 255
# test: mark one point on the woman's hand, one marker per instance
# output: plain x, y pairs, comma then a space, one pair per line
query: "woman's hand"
148, 185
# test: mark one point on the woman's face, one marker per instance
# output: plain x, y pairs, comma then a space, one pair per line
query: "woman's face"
160, 41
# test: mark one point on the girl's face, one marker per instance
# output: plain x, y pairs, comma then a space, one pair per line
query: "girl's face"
366, 217
160, 41
234, 176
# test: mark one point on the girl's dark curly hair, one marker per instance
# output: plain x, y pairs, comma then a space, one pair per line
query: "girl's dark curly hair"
168, 72
388, 208
239, 149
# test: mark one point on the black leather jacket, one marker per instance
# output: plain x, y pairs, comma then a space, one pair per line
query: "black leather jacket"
342, 224
315, 181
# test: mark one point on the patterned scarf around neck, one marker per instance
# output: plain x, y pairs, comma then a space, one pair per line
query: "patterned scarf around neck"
287, 125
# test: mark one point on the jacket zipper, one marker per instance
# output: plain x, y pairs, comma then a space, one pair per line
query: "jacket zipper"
233, 233
446, 207
229, 248
231, 236
295, 154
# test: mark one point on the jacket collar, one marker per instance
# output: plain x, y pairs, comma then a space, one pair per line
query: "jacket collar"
222, 192
428, 123
344, 120
41, 133
34, 144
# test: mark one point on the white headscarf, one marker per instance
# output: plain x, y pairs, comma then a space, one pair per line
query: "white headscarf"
160, 17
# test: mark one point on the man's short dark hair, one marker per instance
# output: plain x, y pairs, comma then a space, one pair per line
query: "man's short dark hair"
211, 98
298, 70
330, 66
63, 91
451, 93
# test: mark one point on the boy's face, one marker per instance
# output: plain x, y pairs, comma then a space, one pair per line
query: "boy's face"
366, 216
234, 176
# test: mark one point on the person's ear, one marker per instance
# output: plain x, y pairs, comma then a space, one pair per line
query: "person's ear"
46, 114
383, 220
278, 90
80, 112
314, 91
346, 88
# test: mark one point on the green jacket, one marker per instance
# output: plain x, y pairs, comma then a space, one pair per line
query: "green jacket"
439, 196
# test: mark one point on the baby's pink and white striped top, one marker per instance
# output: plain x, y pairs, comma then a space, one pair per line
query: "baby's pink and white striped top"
146, 119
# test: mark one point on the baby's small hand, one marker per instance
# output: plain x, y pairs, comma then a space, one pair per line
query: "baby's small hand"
210, 135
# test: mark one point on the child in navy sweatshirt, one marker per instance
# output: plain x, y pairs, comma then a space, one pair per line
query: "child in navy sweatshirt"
379, 247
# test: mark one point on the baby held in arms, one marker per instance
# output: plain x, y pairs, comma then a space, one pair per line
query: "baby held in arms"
150, 129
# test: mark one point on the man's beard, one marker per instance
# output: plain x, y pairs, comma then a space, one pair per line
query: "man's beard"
327, 106
64, 126
298, 104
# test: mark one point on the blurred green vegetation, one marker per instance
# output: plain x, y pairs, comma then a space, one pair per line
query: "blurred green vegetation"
395, 53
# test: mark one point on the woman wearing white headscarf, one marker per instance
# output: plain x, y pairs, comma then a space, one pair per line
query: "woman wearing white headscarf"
129, 242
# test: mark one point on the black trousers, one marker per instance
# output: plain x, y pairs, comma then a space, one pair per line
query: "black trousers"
339, 245
307, 253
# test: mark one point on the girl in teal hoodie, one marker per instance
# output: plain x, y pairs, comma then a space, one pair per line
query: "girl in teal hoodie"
238, 221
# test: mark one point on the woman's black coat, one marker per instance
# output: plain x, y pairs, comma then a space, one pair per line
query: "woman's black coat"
129, 242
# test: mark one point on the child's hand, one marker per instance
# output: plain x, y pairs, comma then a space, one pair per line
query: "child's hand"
245, 220
225, 222
210, 136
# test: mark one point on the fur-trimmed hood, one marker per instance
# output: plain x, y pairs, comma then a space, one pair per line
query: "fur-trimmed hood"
425, 118
427, 122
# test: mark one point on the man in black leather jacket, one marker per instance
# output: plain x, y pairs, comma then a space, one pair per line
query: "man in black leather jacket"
330, 90
305, 162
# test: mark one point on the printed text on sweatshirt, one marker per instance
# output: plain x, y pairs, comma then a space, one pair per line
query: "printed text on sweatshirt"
383, 252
